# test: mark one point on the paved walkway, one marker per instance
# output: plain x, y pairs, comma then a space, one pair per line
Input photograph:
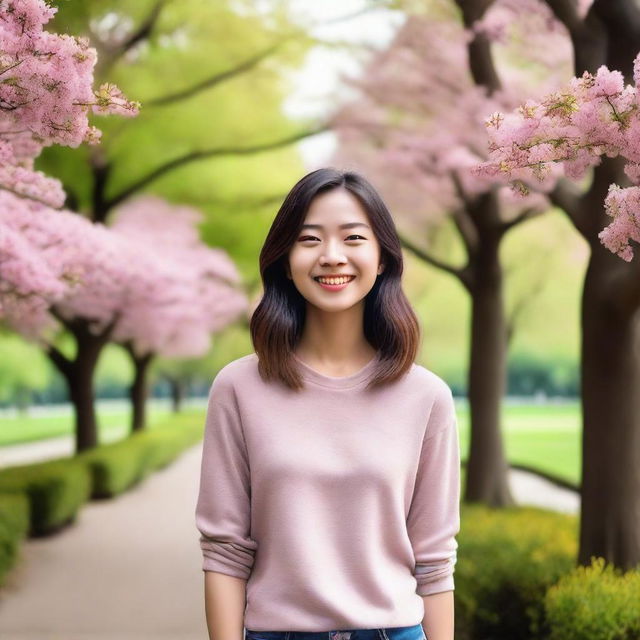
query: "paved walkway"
130, 568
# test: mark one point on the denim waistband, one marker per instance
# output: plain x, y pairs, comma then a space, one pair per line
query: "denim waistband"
412, 632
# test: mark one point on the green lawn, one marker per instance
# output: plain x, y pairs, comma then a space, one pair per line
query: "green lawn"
546, 437
113, 424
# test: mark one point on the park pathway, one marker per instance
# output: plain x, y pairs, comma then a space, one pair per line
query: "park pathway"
127, 569
130, 568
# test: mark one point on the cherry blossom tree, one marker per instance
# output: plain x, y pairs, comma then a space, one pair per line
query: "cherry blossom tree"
91, 278
419, 132
193, 295
149, 284
45, 96
594, 116
592, 122
192, 87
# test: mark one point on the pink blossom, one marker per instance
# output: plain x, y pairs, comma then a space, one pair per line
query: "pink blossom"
192, 292
45, 95
623, 205
421, 131
595, 115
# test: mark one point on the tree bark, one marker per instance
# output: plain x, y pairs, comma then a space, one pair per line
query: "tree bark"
79, 374
610, 371
610, 368
487, 478
82, 397
487, 467
138, 391
23, 400
610, 517
178, 393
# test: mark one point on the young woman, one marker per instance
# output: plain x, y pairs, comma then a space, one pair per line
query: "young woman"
329, 488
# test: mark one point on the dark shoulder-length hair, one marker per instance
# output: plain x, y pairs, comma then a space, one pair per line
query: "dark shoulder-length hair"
390, 324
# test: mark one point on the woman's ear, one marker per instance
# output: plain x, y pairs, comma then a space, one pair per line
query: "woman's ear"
380, 268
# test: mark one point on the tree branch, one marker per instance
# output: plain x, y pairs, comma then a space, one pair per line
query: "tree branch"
566, 12
101, 170
481, 63
467, 230
459, 273
587, 35
462, 219
62, 363
209, 153
141, 33
217, 78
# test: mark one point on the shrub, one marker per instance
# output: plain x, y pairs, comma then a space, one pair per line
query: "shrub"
507, 559
598, 602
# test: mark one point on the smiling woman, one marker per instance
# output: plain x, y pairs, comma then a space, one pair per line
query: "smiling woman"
337, 259
330, 478
331, 266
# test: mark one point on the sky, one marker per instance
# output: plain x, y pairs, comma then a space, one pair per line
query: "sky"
317, 84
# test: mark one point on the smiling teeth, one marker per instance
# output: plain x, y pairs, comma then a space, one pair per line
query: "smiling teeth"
335, 280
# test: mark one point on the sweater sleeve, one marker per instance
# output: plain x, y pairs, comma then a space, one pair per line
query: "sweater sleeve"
223, 510
434, 513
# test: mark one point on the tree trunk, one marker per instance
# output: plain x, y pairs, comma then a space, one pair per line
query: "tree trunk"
610, 522
79, 375
82, 397
610, 376
178, 393
610, 369
23, 400
138, 391
487, 468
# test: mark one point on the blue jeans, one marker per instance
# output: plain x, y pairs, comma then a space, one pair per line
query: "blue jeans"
413, 632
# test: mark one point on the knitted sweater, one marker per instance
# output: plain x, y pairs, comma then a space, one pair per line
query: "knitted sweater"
338, 505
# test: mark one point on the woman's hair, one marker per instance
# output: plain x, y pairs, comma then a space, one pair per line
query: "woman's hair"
390, 324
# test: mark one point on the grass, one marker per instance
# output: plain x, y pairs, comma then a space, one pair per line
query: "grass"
543, 436
113, 424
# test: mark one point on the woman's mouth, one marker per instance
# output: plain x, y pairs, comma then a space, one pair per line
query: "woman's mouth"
334, 284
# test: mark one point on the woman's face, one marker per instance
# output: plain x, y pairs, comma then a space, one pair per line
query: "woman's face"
323, 248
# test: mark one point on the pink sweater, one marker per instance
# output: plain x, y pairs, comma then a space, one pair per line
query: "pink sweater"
339, 505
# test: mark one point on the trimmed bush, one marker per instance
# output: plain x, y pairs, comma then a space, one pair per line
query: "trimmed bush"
597, 602
121, 465
56, 490
507, 559
14, 526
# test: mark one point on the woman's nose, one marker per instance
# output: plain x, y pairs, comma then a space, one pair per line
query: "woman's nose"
333, 254
333, 259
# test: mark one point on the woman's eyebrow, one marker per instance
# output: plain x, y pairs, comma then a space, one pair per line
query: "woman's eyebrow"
346, 225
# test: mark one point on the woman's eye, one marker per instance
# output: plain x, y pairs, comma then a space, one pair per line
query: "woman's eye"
308, 238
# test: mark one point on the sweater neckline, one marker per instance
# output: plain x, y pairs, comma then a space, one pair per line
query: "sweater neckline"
341, 382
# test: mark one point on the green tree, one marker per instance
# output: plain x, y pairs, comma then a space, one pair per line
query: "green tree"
211, 77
